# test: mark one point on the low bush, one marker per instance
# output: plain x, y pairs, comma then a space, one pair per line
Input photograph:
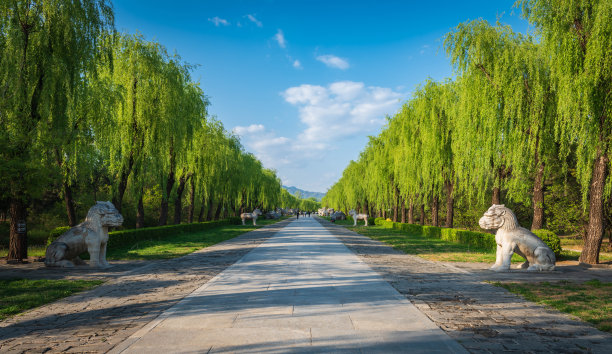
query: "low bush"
128, 237
550, 239
481, 240
57, 232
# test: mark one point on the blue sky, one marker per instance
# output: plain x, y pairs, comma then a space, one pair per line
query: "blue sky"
305, 82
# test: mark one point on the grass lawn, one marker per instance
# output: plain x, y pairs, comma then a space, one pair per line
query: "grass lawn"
589, 301
438, 250
19, 295
171, 247
182, 244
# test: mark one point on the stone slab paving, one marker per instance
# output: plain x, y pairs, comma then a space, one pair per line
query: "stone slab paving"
135, 294
300, 291
480, 316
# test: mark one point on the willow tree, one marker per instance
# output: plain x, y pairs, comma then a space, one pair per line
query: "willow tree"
128, 137
46, 47
578, 37
407, 160
506, 85
480, 54
433, 112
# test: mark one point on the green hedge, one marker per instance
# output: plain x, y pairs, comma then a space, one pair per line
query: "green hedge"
55, 233
129, 237
550, 239
476, 239
378, 221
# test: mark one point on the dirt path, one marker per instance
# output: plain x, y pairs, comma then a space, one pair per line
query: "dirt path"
135, 294
482, 317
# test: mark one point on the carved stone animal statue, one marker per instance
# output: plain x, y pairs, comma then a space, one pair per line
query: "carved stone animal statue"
511, 238
91, 235
356, 217
252, 215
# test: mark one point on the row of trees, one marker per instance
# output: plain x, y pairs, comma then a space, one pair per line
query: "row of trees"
83, 107
523, 114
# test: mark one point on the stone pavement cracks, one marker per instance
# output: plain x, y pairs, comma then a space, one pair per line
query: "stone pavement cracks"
300, 291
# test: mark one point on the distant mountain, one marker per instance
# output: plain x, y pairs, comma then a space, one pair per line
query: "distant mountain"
305, 194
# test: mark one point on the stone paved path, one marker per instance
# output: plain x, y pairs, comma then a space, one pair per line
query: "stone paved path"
300, 291
482, 317
134, 294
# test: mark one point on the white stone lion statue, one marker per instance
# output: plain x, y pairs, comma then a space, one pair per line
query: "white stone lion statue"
252, 215
356, 217
91, 235
511, 238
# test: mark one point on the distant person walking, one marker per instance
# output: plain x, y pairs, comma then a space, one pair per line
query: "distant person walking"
298, 214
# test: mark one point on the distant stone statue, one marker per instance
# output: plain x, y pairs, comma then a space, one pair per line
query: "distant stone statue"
252, 215
91, 235
356, 217
512, 238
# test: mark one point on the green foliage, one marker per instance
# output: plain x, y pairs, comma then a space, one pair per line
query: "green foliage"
118, 239
379, 221
550, 239
57, 232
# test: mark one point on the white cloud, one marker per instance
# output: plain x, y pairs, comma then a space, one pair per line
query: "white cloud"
333, 61
297, 64
219, 21
280, 38
336, 118
254, 20
251, 129
340, 110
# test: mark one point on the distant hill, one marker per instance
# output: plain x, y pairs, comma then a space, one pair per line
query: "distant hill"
305, 194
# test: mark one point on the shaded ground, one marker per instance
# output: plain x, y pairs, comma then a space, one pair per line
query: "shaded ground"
482, 317
135, 293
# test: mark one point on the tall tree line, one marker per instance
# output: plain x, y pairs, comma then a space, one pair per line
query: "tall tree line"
523, 114
83, 106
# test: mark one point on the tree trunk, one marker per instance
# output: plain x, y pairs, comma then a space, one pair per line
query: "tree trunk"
449, 204
191, 202
210, 213
496, 199
178, 202
202, 209
219, 207
140, 213
411, 213
538, 198
69, 201
395, 204
403, 211
422, 220
434, 211
378, 213
18, 238
595, 228
384, 214
123, 180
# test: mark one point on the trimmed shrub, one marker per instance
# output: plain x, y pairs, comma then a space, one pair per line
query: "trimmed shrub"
57, 232
129, 237
378, 221
432, 231
371, 221
550, 239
